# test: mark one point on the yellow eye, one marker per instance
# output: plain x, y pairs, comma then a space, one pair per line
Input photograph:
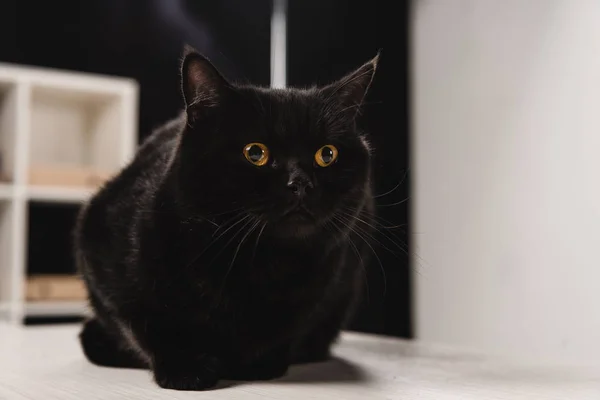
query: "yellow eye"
326, 155
256, 153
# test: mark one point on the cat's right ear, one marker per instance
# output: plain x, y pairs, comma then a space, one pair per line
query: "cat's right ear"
202, 84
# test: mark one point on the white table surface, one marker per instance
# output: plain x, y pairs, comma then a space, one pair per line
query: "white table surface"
46, 363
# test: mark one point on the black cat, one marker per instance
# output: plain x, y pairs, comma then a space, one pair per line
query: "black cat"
227, 249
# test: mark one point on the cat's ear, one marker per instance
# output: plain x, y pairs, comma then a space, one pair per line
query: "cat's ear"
351, 90
202, 84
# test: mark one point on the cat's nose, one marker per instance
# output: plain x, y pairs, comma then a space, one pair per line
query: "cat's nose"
299, 186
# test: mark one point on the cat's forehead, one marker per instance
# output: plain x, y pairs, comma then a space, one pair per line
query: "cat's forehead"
290, 122
285, 103
293, 114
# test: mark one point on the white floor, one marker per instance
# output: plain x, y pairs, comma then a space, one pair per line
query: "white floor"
46, 364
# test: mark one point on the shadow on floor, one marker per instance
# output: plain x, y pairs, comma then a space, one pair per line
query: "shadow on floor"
334, 370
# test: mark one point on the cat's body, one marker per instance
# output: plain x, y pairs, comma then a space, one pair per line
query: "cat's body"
198, 266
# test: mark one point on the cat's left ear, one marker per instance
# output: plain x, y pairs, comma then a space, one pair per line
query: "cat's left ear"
202, 84
351, 90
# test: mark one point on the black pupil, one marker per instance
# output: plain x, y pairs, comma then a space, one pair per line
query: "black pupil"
327, 155
255, 153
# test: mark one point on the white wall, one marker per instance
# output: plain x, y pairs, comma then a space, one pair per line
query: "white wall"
507, 175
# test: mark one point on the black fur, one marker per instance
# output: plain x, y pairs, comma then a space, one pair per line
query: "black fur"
202, 266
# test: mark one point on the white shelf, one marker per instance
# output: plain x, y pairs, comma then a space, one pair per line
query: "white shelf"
5, 310
49, 309
50, 194
6, 191
57, 194
55, 309
51, 121
61, 81
8, 131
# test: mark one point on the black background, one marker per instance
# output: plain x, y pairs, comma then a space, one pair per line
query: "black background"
143, 39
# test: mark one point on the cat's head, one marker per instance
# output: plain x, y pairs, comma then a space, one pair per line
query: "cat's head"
291, 158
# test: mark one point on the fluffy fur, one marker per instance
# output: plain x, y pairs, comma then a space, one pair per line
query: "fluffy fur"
202, 266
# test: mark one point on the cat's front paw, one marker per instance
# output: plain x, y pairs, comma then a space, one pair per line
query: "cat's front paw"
201, 375
192, 380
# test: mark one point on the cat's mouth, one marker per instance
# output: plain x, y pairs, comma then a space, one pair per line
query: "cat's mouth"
298, 213
297, 221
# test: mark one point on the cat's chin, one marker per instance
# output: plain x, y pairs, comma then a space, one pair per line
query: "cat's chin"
296, 225
297, 231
